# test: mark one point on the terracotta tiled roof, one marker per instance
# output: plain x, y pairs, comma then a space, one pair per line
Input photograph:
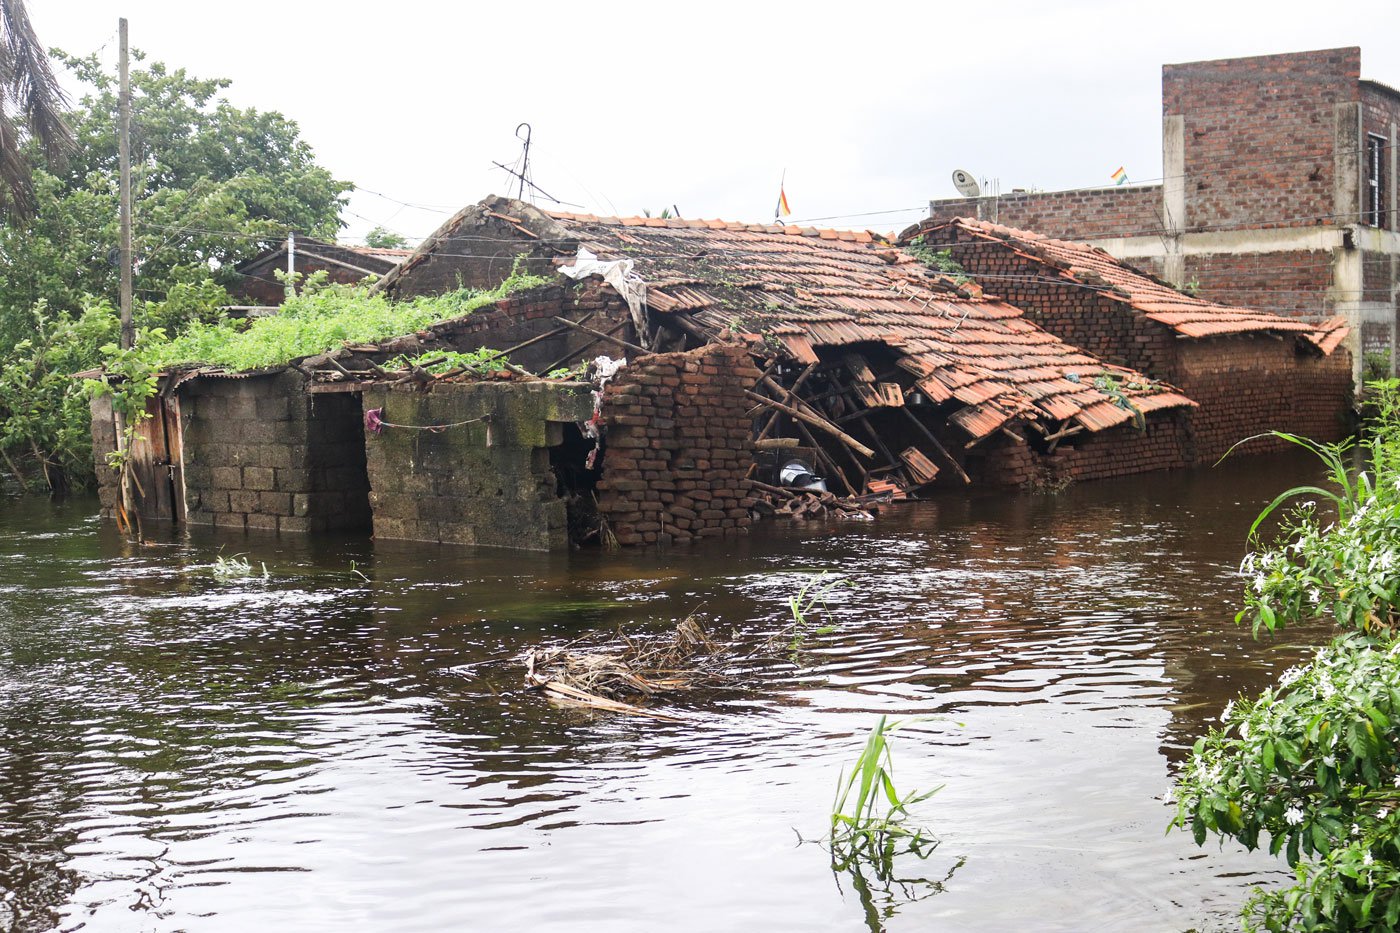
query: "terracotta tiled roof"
1091, 267
807, 288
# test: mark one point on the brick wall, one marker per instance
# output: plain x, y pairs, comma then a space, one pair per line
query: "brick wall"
678, 446
1259, 136
531, 314
1120, 451
1101, 325
260, 453
480, 483
1080, 214
1294, 283
1249, 385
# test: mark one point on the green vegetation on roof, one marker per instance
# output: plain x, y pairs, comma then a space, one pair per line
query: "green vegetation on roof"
318, 320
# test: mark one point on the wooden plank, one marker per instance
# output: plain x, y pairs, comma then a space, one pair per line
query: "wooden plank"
175, 445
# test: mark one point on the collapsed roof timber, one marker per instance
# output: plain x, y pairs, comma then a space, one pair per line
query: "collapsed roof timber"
751, 344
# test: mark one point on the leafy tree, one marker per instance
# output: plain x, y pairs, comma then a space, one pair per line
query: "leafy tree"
379, 238
213, 184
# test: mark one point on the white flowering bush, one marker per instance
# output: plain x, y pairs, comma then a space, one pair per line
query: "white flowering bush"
1311, 768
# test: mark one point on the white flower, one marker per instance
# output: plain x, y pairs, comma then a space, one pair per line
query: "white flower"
1397, 780
1325, 688
1259, 583
1291, 676
1329, 761
1314, 596
1382, 813
1228, 711
1293, 816
1368, 858
1247, 565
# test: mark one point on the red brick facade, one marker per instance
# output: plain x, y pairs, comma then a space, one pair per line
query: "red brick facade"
678, 446
1134, 210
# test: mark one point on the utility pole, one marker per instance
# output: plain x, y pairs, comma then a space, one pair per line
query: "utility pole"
291, 289
124, 144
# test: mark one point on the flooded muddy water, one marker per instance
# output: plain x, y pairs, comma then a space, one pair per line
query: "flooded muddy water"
322, 751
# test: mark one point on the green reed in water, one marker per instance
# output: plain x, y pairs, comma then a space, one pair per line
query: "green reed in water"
870, 819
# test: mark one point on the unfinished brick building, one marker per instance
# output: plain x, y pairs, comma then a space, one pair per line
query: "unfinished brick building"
1250, 371
1279, 193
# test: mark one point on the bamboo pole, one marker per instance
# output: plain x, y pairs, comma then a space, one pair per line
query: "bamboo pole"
815, 421
943, 451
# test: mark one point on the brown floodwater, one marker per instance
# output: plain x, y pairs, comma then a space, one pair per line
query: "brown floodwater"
318, 751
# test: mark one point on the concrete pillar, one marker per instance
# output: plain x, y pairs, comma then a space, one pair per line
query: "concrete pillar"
1347, 165
1174, 197
1392, 222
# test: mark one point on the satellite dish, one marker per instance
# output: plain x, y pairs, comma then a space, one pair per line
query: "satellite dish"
967, 185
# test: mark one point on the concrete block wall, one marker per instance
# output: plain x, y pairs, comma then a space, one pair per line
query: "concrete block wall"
261, 454
678, 446
487, 482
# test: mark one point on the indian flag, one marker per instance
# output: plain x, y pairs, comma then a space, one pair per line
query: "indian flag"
1120, 177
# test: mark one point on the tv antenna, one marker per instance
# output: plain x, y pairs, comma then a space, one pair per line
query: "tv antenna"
520, 170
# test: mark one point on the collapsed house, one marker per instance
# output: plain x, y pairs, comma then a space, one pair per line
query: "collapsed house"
651, 394
1249, 370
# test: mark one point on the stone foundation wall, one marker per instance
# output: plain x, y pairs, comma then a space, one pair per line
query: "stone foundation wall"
487, 482
678, 446
260, 453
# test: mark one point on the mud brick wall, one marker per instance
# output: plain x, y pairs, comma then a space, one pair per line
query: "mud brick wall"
1260, 136
1249, 385
1100, 325
1079, 214
531, 314
260, 453
1120, 451
678, 446
484, 483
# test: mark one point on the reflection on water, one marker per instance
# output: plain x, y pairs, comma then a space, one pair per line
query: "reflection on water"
321, 751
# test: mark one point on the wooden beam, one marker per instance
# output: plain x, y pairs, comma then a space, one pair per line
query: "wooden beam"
943, 451
815, 421
617, 340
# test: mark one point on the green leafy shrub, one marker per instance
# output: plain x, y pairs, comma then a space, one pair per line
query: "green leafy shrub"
1312, 766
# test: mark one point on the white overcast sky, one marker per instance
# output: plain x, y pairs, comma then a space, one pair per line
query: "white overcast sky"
868, 106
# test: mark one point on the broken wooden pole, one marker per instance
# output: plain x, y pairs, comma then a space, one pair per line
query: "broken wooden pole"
617, 340
583, 349
942, 451
815, 421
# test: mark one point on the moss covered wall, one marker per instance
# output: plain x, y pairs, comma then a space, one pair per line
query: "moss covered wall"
487, 482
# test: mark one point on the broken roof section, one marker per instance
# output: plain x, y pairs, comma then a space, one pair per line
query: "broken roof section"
1088, 266
812, 291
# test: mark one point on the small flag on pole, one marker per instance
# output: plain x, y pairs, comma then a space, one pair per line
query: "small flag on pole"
1120, 177
783, 210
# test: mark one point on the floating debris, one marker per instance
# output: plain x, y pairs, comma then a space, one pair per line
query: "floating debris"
606, 676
